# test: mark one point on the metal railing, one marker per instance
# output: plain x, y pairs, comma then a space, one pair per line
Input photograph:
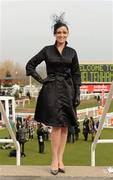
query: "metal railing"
13, 138
97, 140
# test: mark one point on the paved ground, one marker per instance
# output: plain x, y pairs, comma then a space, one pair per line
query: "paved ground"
43, 173
54, 178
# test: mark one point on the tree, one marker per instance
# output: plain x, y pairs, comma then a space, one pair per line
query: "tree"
8, 79
8, 74
14, 70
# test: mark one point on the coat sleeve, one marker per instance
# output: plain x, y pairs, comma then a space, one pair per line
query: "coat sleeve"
75, 71
33, 63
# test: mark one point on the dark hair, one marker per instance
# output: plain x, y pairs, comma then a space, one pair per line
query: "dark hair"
58, 21
58, 25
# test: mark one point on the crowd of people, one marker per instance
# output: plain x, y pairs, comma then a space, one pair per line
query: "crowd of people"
27, 129
89, 127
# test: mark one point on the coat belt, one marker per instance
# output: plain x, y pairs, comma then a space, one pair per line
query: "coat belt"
57, 76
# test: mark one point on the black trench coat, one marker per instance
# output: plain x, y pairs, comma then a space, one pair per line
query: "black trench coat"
55, 101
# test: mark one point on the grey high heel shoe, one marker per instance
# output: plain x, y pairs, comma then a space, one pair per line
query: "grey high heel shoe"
54, 172
61, 170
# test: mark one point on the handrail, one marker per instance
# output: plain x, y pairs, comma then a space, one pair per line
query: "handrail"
105, 110
13, 138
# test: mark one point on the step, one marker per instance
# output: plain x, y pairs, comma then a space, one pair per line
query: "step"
11, 172
55, 178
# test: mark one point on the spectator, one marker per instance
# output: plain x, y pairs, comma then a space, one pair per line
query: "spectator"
86, 128
98, 100
40, 136
21, 138
71, 134
97, 125
46, 134
77, 130
29, 95
31, 131
92, 127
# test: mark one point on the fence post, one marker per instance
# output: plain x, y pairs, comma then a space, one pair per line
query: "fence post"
16, 143
105, 110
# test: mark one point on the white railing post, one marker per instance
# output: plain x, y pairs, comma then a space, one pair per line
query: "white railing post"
92, 155
13, 109
105, 110
13, 138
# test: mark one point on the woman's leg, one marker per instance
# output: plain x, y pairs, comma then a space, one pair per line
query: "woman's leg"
63, 139
55, 140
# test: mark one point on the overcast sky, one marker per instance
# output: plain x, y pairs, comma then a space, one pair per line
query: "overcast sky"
26, 28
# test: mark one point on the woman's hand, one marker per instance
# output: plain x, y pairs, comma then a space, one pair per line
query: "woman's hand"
77, 96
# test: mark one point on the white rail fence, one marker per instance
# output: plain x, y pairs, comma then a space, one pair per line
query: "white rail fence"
13, 138
96, 140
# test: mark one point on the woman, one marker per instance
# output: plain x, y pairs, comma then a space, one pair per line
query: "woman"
92, 127
60, 93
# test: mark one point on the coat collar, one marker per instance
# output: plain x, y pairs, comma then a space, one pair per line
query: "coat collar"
65, 43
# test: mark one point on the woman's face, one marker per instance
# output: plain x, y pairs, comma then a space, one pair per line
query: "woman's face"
61, 35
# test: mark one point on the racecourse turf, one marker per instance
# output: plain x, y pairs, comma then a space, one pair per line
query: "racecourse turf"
77, 153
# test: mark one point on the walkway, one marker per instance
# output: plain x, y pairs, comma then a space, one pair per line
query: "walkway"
42, 173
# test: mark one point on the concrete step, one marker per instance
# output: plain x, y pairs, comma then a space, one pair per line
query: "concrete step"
53, 178
43, 173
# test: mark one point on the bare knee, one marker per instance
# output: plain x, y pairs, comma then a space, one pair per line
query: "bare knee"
64, 129
56, 128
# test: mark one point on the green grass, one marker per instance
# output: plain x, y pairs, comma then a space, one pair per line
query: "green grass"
84, 104
27, 105
87, 104
75, 154
92, 103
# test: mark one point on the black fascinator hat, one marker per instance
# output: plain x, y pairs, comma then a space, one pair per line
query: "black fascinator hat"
58, 21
